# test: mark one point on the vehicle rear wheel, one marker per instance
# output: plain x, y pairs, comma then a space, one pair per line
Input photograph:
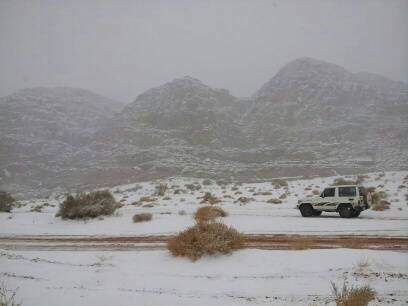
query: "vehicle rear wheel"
307, 210
356, 214
317, 213
346, 211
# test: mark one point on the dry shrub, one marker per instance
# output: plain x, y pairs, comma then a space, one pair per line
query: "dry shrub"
263, 193
245, 200
274, 201
380, 206
354, 296
6, 201
402, 186
37, 208
209, 213
308, 188
182, 212
161, 189
301, 243
166, 198
316, 192
283, 196
206, 238
143, 199
142, 217
7, 297
193, 187
227, 196
207, 182
210, 198
353, 243
278, 183
91, 205
234, 188
119, 205
148, 206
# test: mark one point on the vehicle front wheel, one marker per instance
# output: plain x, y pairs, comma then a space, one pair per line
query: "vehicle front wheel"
317, 213
307, 210
346, 211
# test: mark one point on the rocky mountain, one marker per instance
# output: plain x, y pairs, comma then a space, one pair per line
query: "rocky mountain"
311, 118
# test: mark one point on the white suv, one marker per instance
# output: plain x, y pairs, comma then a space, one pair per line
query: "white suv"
348, 200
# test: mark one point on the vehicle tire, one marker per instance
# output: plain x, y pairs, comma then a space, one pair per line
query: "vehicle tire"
307, 210
346, 211
317, 213
356, 214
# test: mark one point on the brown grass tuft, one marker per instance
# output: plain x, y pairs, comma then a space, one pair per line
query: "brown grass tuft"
354, 296
353, 243
142, 217
206, 238
274, 201
209, 213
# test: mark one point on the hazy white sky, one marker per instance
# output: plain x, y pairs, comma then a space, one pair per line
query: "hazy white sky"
121, 48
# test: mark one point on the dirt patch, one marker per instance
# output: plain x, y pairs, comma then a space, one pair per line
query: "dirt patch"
253, 241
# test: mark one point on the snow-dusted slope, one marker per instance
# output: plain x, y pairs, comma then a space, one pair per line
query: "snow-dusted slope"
313, 117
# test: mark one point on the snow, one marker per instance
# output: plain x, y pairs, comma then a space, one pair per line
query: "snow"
248, 276
252, 277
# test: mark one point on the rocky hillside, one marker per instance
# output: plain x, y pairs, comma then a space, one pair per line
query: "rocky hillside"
311, 118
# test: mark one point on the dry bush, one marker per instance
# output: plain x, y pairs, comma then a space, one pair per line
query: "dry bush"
227, 196
381, 175
278, 183
354, 296
161, 189
37, 208
308, 188
207, 182
209, 213
283, 196
301, 243
244, 200
6, 201
234, 188
264, 193
402, 186
119, 205
206, 238
89, 205
166, 198
148, 206
238, 192
362, 265
316, 192
165, 213
182, 212
274, 201
209, 198
353, 243
193, 187
7, 297
221, 183
182, 199
142, 217
143, 199
380, 206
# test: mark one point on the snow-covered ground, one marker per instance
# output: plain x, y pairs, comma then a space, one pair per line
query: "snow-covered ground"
245, 277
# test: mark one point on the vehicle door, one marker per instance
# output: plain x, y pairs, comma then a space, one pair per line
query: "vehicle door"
326, 199
348, 195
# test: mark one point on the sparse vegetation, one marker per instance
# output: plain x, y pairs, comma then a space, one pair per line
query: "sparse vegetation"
210, 198
278, 183
274, 201
209, 213
182, 212
207, 182
354, 296
6, 201
89, 205
7, 297
193, 187
142, 217
262, 193
362, 265
37, 208
205, 238
161, 189
245, 200
342, 181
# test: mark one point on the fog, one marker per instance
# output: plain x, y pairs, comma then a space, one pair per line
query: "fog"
122, 48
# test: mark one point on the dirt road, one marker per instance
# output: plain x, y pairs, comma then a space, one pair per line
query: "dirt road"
253, 241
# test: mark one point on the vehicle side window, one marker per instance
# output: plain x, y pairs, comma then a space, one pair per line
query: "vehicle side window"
329, 192
347, 191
